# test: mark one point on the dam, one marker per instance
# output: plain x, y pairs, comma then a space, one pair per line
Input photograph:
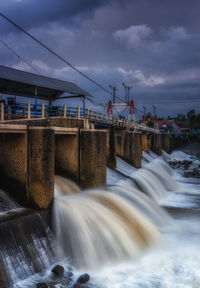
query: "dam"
93, 194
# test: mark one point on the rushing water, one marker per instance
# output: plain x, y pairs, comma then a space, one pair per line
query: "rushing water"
141, 231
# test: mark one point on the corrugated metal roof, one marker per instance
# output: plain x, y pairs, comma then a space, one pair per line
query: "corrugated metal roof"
17, 82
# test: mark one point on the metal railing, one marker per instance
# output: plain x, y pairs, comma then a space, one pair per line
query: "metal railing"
32, 111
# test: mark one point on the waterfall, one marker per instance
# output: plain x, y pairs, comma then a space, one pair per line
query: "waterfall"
100, 227
155, 178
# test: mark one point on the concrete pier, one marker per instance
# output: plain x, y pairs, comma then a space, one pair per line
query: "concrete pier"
92, 158
129, 147
13, 164
156, 143
165, 142
111, 148
145, 142
41, 167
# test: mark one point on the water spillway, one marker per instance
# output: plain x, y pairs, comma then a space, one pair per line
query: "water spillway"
102, 219
119, 233
26, 243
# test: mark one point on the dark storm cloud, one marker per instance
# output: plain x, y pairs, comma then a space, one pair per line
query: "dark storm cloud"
152, 45
33, 13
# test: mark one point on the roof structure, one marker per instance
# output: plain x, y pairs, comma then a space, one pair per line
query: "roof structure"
21, 83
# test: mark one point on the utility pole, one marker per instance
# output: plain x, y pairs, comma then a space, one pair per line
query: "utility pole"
125, 87
144, 111
127, 92
114, 89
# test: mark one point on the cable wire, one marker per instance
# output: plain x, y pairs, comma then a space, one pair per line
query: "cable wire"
54, 53
18, 56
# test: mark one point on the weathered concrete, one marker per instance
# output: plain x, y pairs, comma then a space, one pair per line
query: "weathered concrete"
129, 147
41, 165
145, 142
111, 148
165, 142
92, 158
67, 156
27, 166
71, 122
13, 164
156, 143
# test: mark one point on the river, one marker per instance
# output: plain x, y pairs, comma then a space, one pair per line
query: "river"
141, 231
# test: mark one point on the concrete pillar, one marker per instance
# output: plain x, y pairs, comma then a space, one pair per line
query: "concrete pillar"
165, 142
111, 148
156, 143
145, 145
41, 165
13, 165
129, 147
2, 111
133, 148
92, 158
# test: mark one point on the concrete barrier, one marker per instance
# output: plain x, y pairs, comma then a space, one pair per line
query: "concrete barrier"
92, 158
165, 142
41, 167
129, 147
111, 148
145, 142
156, 143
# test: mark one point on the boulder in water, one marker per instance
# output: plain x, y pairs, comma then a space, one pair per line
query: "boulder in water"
58, 270
83, 278
42, 285
79, 285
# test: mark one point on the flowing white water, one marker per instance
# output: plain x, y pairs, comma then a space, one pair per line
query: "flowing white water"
115, 232
103, 227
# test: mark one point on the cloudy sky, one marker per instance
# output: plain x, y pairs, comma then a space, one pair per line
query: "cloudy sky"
152, 45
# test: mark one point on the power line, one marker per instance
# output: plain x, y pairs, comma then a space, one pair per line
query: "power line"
54, 53
18, 56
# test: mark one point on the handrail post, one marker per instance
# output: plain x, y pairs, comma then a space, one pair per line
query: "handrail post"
2, 111
78, 112
9, 112
90, 114
43, 110
29, 110
64, 110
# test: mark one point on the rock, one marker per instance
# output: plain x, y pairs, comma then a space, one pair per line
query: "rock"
58, 270
77, 285
83, 278
42, 285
